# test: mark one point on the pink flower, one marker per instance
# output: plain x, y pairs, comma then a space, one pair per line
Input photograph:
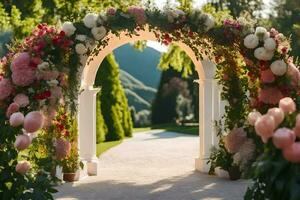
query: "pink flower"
56, 92
287, 105
294, 73
22, 142
297, 126
265, 126
23, 77
62, 148
16, 119
33, 121
22, 167
283, 138
234, 140
20, 61
277, 114
22, 100
267, 76
270, 95
6, 88
48, 75
292, 153
12, 108
138, 13
253, 117
111, 11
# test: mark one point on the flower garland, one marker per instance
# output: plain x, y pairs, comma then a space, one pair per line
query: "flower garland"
43, 70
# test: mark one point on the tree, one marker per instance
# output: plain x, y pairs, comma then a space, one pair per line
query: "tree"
101, 128
114, 104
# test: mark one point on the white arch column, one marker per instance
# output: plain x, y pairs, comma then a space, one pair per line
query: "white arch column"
87, 129
209, 111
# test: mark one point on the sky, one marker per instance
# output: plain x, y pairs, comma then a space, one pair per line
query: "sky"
197, 3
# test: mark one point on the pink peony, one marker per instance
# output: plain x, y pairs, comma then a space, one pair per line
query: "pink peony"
16, 119
6, 88
23, 77
22, 142
33, 121
270, 95
283, 138
253, 117
62, 148
292, 153
138, 13
234, 140
297, 126
20, 61
267, 76
22, 167
294, 73
12, 108
22, 100
288, 105
278, 115
265, 126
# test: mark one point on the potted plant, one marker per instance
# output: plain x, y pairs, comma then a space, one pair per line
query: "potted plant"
71, 165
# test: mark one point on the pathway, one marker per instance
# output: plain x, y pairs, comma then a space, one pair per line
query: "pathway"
156, 165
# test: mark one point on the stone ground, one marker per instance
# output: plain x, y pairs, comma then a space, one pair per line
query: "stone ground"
156, 165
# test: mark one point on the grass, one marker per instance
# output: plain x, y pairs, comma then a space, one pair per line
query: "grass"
191, 130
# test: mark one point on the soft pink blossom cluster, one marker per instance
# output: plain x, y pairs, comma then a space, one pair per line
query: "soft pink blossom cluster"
138, 13
235, 139
6, 88
62, 148
266, 126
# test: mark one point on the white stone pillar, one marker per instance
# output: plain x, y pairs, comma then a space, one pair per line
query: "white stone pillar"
87, 128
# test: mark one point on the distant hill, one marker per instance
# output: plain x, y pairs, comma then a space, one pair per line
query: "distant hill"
141, 65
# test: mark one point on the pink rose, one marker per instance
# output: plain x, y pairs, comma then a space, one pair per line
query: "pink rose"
294, 73
23, 77
16, 119
12, 108
292, 153
20, 61
6, 88
267, 76
264, 127
287, 105
283, 138
22, 100
22, 167
22, 142
62, 148
270, 95
33, 121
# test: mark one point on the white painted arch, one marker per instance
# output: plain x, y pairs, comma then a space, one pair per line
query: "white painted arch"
210, 105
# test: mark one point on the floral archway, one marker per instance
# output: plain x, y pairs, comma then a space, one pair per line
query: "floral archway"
44, 71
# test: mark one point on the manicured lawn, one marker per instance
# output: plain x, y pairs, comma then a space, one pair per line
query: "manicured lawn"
102, 147
191, 130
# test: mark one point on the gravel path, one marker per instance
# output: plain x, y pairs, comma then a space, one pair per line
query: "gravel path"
156, 165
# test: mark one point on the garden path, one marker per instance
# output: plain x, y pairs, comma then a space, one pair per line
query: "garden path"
154, 165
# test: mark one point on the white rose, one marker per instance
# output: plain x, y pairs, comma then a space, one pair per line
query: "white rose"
251, 41
278, 67
80, 48
81, 38
43, 66
263, 54
99, 32
209, 22
90, 20
52, 83
270, 44
68, 28
261, 33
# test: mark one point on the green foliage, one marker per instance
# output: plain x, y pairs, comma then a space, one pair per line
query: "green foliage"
101, 129
114, 104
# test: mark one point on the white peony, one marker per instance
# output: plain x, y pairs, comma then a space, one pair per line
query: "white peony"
262, 33
80, 48
99, 32
52, 83
270, 44
81, 38
263, 54
278, 67
251, 41
68, 28
209, 22
43, 66
90, 20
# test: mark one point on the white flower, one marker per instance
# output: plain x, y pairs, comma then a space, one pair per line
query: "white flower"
90, 44
209, 22
270, 44
43, 66
278, 67
102, 19
99, 32
52, 83
68, 28
90, 20
263, 54
81, 38
80, 48
261, 33
251, 41
171, 15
